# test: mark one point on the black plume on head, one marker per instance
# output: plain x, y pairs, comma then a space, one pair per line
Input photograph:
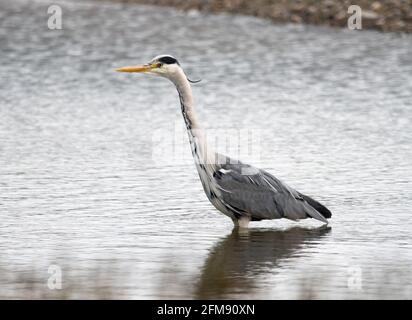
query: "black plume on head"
168, 60
193, 81
171, 60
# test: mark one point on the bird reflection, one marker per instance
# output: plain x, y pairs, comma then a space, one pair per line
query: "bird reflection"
235, 261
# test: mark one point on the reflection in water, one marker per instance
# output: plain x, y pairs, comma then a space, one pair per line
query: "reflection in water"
234, 263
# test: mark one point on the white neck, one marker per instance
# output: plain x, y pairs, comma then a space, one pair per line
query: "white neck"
200, 150
186, 100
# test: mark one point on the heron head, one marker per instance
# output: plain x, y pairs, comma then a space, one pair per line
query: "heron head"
163, 65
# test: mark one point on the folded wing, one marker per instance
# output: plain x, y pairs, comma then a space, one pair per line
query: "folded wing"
253, 192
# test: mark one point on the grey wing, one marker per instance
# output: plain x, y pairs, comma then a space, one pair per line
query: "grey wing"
249, 191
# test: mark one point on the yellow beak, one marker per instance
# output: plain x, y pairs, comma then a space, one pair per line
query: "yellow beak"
141, 68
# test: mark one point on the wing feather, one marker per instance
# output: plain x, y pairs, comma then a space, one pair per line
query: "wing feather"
258, 194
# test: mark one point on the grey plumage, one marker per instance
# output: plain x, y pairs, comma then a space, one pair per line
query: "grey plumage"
246, 191
238, 190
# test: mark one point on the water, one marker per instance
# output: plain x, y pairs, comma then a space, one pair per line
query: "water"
81, 187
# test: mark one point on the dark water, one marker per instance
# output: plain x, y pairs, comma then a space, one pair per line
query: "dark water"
83, 185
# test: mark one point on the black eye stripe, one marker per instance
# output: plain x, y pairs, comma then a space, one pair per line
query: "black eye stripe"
168, 60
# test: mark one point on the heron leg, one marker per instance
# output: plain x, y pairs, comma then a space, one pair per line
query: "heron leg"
242, 222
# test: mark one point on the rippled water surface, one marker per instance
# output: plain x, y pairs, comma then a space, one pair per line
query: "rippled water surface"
82, 186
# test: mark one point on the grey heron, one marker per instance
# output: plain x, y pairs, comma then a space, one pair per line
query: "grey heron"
240, 191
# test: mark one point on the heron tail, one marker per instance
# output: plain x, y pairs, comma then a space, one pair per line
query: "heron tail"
317, 206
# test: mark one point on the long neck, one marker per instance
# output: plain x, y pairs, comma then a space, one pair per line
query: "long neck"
187, 104
202, 153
